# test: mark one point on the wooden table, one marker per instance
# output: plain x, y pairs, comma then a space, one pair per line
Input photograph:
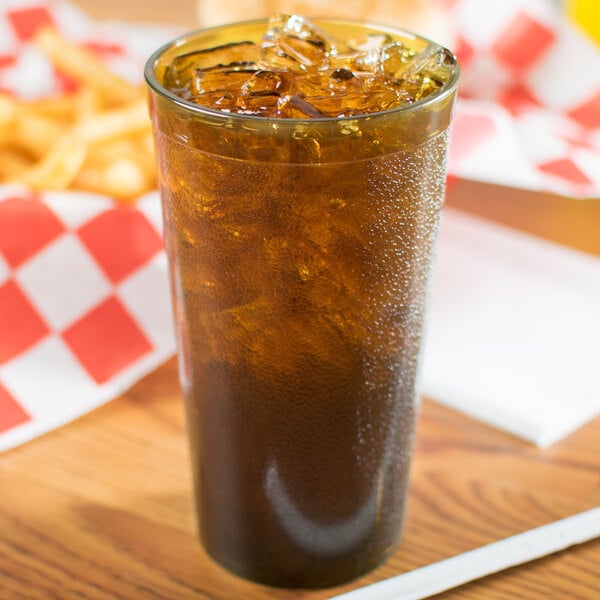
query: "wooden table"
102, 508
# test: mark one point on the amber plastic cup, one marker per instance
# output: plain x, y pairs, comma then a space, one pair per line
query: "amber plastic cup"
300, 253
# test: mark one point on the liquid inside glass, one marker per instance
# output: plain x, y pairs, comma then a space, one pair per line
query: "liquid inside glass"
300, 225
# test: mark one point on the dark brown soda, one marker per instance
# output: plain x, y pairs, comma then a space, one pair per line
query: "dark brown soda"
300, 309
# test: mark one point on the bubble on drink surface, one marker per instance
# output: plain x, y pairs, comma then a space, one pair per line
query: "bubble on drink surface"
300, 71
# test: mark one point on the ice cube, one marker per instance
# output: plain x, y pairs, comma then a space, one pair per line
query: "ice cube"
219, 86
181, 70
295, 107
263, 90
385, 60
434, 60
219, 100
347, 105
328, 82
391, 59
293, 42
339, 92
220, 79
423, 74
370, 41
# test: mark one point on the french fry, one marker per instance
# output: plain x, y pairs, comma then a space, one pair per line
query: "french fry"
96, 139
8, 111
59, 167
8, 107
64, 107
35, 134
84, 67
122, 167
125, 177
12, 163
131, 119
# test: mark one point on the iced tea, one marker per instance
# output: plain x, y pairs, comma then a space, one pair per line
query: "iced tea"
302, 174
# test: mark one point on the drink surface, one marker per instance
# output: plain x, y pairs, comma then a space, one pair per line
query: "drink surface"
300, 251
299, 70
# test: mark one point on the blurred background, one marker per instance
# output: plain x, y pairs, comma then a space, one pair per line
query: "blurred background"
188, 13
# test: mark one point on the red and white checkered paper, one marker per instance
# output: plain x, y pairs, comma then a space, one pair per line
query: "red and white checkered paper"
529, 112
84, 307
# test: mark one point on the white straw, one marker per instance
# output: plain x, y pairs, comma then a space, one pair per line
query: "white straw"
457, 570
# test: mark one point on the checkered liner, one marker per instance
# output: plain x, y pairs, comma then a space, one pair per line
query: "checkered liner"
529, 114
84, 308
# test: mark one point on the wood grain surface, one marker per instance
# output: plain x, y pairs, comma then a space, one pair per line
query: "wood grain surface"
102, 508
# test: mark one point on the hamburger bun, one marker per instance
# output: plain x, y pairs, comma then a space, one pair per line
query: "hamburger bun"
423, 17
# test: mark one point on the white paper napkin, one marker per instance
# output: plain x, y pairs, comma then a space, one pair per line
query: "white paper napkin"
513, 337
